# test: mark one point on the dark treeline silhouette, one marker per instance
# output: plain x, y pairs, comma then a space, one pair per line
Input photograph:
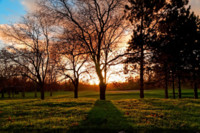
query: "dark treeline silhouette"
65, 40
166, 36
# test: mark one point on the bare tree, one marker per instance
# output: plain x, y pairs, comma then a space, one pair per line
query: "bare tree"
30, 46
53, 71
8, 70
73, 60
4, 71
98, 24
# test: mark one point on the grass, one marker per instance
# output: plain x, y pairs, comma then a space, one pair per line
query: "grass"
103, 117
162, 114
123, 111
110, 95
48, 114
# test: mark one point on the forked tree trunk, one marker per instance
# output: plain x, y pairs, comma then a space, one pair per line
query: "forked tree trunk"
179, 87
102, 84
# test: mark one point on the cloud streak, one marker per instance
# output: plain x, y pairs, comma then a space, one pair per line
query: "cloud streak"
30, 5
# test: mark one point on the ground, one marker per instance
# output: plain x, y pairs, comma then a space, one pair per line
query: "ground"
122, 112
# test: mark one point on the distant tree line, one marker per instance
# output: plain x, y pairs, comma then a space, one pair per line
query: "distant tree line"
68, 40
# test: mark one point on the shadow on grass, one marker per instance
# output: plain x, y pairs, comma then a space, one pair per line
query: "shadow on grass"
119, 96
64, 104
104, 117
24, 102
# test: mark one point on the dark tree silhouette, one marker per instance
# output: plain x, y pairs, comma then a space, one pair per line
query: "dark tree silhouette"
99, 24
73, 59
30, 50
191, 51
6, 71
177, 34
53, 70
144, 16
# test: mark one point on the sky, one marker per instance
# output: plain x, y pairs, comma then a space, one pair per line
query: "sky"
11, 10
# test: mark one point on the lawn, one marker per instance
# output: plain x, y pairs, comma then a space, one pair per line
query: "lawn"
161, 114
123, 111
51, 113
110, 95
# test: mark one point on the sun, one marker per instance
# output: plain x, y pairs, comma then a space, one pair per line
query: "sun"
94, 82
115, 74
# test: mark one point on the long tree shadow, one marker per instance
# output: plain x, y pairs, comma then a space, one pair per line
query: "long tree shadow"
104, 117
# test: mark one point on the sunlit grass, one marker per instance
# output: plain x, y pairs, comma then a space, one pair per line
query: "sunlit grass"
48, 114
161, 113
62, 112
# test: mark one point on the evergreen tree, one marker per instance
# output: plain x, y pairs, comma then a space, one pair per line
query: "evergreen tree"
177, 42
144, 16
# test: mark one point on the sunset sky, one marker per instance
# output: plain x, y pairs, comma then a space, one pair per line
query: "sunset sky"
12, 10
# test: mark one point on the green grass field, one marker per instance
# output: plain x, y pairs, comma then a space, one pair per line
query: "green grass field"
123, 111
110, 95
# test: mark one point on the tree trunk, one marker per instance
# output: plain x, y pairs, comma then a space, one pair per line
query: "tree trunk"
195, 91
179, 87
42, 91
102, 84
13, 94
76, 84
36, 93
2, 94
166, 83
9, 95
76, 91
195, 87
51, 92
173, 85
142, 73
23, 93
142, 64
102, 87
